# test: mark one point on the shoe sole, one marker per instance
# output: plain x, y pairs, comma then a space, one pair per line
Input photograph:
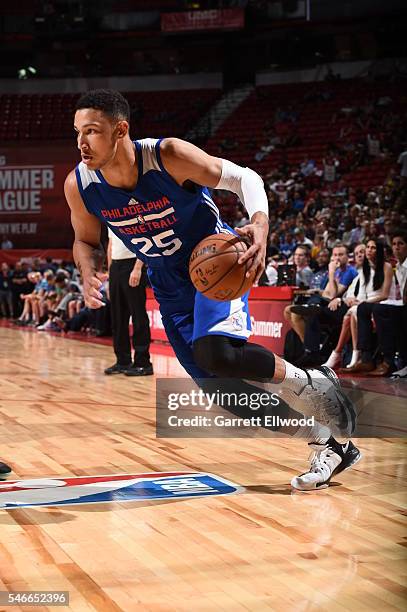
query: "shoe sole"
113, 373
345, 402
134, 375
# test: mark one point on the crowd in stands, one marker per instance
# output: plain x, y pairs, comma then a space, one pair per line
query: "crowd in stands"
340, 241
321, 223
347, 257
47, 296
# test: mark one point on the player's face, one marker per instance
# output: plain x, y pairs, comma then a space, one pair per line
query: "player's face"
97, 137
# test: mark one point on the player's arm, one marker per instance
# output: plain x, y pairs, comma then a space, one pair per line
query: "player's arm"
185, 162
86, 251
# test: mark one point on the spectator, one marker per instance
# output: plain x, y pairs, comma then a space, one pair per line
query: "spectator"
320, 278
6, 295
301, 238
371, 285
19, 284
287, 247
6, 243
326, 309
273, 247
271, 271
390, 317
402, 160
303, 274
318, 284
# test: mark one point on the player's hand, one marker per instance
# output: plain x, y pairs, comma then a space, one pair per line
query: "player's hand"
91, 290
134, 278
255, 255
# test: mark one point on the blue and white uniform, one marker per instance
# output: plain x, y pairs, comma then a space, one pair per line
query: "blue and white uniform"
162, 222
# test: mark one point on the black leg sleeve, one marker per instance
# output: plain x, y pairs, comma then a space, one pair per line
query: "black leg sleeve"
229, 358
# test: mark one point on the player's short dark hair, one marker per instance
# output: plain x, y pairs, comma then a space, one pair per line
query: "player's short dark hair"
109, 101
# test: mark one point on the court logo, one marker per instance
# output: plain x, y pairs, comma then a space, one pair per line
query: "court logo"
237, 321
116, 488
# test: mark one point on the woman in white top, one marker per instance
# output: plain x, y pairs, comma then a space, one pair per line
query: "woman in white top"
371, 285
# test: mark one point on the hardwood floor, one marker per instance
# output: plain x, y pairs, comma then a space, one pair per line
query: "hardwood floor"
266, 548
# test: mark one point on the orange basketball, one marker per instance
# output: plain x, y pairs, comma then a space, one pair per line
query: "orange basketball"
214, 267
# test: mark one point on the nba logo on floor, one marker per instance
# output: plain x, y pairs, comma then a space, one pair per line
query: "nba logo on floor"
113, 488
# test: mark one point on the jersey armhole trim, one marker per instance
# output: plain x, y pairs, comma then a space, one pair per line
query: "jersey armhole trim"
139, 159
158, 155
81, 189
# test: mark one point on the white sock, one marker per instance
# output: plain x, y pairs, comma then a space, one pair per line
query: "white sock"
333, 359
295, 379
355, 358
315, 433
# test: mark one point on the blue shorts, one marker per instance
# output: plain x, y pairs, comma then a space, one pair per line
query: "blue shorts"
188, 315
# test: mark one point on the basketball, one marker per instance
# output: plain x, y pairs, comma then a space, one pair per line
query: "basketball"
214, 268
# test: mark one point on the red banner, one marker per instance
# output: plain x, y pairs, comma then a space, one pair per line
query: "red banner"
33, 210
222, 19
11, 256
266, 312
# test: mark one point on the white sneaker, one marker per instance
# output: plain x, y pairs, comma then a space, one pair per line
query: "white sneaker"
323, 399
327, 460
333, 360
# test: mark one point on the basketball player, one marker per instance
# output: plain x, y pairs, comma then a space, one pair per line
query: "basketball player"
153, 195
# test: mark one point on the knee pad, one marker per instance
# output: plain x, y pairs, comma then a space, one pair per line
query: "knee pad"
215, 354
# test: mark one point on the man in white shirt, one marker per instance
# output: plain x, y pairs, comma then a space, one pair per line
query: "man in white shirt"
127, 288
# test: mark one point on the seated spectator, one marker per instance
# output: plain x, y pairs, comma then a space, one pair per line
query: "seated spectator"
301, 238
273, 245
303, 274
307, 166
319, 244
371, 285
19, 284
287, 246
6, 295
317, 285
347, 232
320, 278
390, 317
326, 309
29, 314
271, 271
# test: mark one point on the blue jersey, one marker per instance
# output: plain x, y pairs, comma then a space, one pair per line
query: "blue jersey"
160, 221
